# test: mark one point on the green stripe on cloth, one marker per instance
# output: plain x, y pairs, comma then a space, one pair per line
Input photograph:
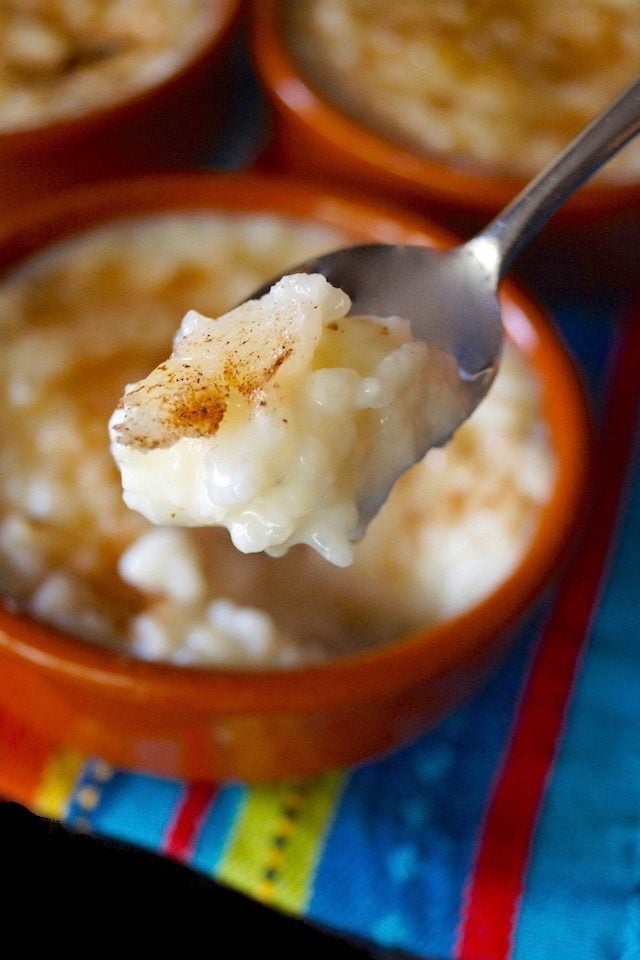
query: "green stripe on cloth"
277, 841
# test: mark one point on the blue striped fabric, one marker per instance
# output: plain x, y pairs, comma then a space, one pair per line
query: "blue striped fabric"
136, 808
397, 858
582, 900
217, 828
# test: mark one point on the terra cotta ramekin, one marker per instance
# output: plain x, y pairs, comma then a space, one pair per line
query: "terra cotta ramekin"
211, 724
164, 126
314, 138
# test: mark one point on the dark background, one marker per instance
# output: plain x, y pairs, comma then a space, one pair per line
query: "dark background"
65, 881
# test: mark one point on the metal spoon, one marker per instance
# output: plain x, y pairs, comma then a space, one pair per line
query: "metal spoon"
450, 296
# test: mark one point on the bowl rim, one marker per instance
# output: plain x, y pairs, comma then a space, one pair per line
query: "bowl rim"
444, 180
393, 667
217, 32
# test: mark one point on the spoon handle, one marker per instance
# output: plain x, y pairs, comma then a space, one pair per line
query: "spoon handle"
523, 218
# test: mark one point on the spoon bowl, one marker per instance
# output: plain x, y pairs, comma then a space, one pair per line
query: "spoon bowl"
441, 292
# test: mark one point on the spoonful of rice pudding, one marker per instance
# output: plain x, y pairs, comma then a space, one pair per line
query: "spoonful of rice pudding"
288, 419
283, 420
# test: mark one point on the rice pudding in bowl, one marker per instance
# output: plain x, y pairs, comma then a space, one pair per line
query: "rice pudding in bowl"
107, 86
60, 58
83, 317
92, 310
455, 100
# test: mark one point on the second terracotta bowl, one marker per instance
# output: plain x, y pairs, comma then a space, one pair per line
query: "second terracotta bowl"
314, 138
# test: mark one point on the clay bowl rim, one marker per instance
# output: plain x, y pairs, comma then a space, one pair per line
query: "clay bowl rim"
443, 180
380, 672
76, 126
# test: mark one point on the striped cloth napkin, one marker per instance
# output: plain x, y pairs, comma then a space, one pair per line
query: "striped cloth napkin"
510, 831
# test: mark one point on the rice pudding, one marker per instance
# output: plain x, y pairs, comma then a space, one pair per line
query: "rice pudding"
285, 420
98, 311
63, 58
482, 83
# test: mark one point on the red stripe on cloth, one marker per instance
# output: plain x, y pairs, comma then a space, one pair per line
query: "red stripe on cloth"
187, 820
496, 885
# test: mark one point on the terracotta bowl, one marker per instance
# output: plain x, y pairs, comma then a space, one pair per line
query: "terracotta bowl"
312, 137
166, 125
212, 724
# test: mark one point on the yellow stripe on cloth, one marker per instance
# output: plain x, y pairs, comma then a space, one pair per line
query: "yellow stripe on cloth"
277, 841
59, 778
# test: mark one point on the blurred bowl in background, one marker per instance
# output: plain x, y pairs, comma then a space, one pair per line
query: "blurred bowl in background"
167, 121
349, 108
295, 721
